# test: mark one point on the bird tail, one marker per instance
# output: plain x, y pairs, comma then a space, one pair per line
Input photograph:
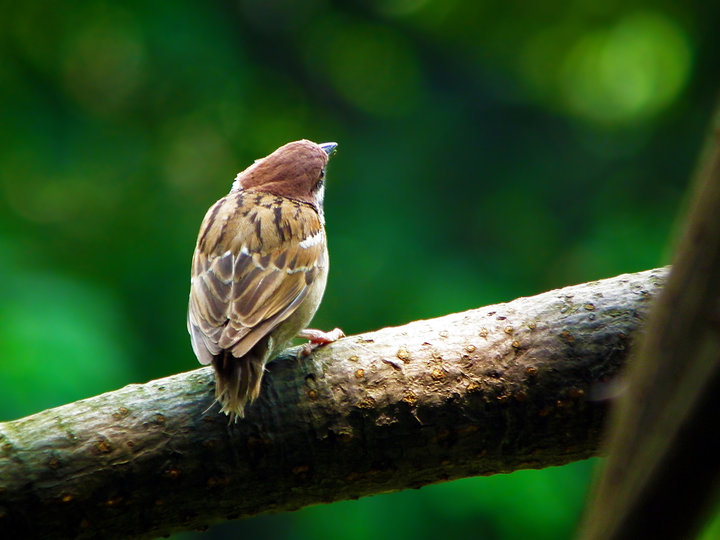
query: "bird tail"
237, 382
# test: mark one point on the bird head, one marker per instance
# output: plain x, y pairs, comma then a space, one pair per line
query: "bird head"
295, 170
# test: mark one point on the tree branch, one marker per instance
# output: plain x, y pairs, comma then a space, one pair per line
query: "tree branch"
662, 476
505, 387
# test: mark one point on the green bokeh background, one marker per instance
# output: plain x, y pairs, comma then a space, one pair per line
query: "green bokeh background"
488, 150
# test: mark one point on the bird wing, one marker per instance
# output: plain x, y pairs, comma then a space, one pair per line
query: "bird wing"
256, 256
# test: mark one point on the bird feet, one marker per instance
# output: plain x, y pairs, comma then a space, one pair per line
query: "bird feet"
317, 339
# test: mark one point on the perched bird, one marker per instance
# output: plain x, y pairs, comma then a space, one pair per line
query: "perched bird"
259, 270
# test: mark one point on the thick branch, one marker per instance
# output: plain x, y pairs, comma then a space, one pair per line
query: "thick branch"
662, 475
490, 390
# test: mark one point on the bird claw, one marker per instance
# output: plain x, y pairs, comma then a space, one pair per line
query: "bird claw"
317, 339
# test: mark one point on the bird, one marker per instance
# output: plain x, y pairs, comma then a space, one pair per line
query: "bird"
259, 270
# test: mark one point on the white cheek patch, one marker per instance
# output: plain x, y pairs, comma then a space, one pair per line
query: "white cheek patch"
311, 241
320, 198
320, 195
236, 183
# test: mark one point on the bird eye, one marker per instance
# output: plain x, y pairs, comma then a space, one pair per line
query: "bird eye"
322, 174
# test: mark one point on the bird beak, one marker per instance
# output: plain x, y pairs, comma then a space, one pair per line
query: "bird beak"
329, 147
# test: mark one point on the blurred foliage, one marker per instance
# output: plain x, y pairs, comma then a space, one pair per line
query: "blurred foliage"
487, 150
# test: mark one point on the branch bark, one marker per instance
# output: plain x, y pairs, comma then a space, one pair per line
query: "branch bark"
505, 387
662, 476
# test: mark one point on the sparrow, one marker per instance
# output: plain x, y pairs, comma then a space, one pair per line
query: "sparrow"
259, 270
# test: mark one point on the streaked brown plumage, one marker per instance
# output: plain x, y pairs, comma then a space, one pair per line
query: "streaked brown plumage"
259, 269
